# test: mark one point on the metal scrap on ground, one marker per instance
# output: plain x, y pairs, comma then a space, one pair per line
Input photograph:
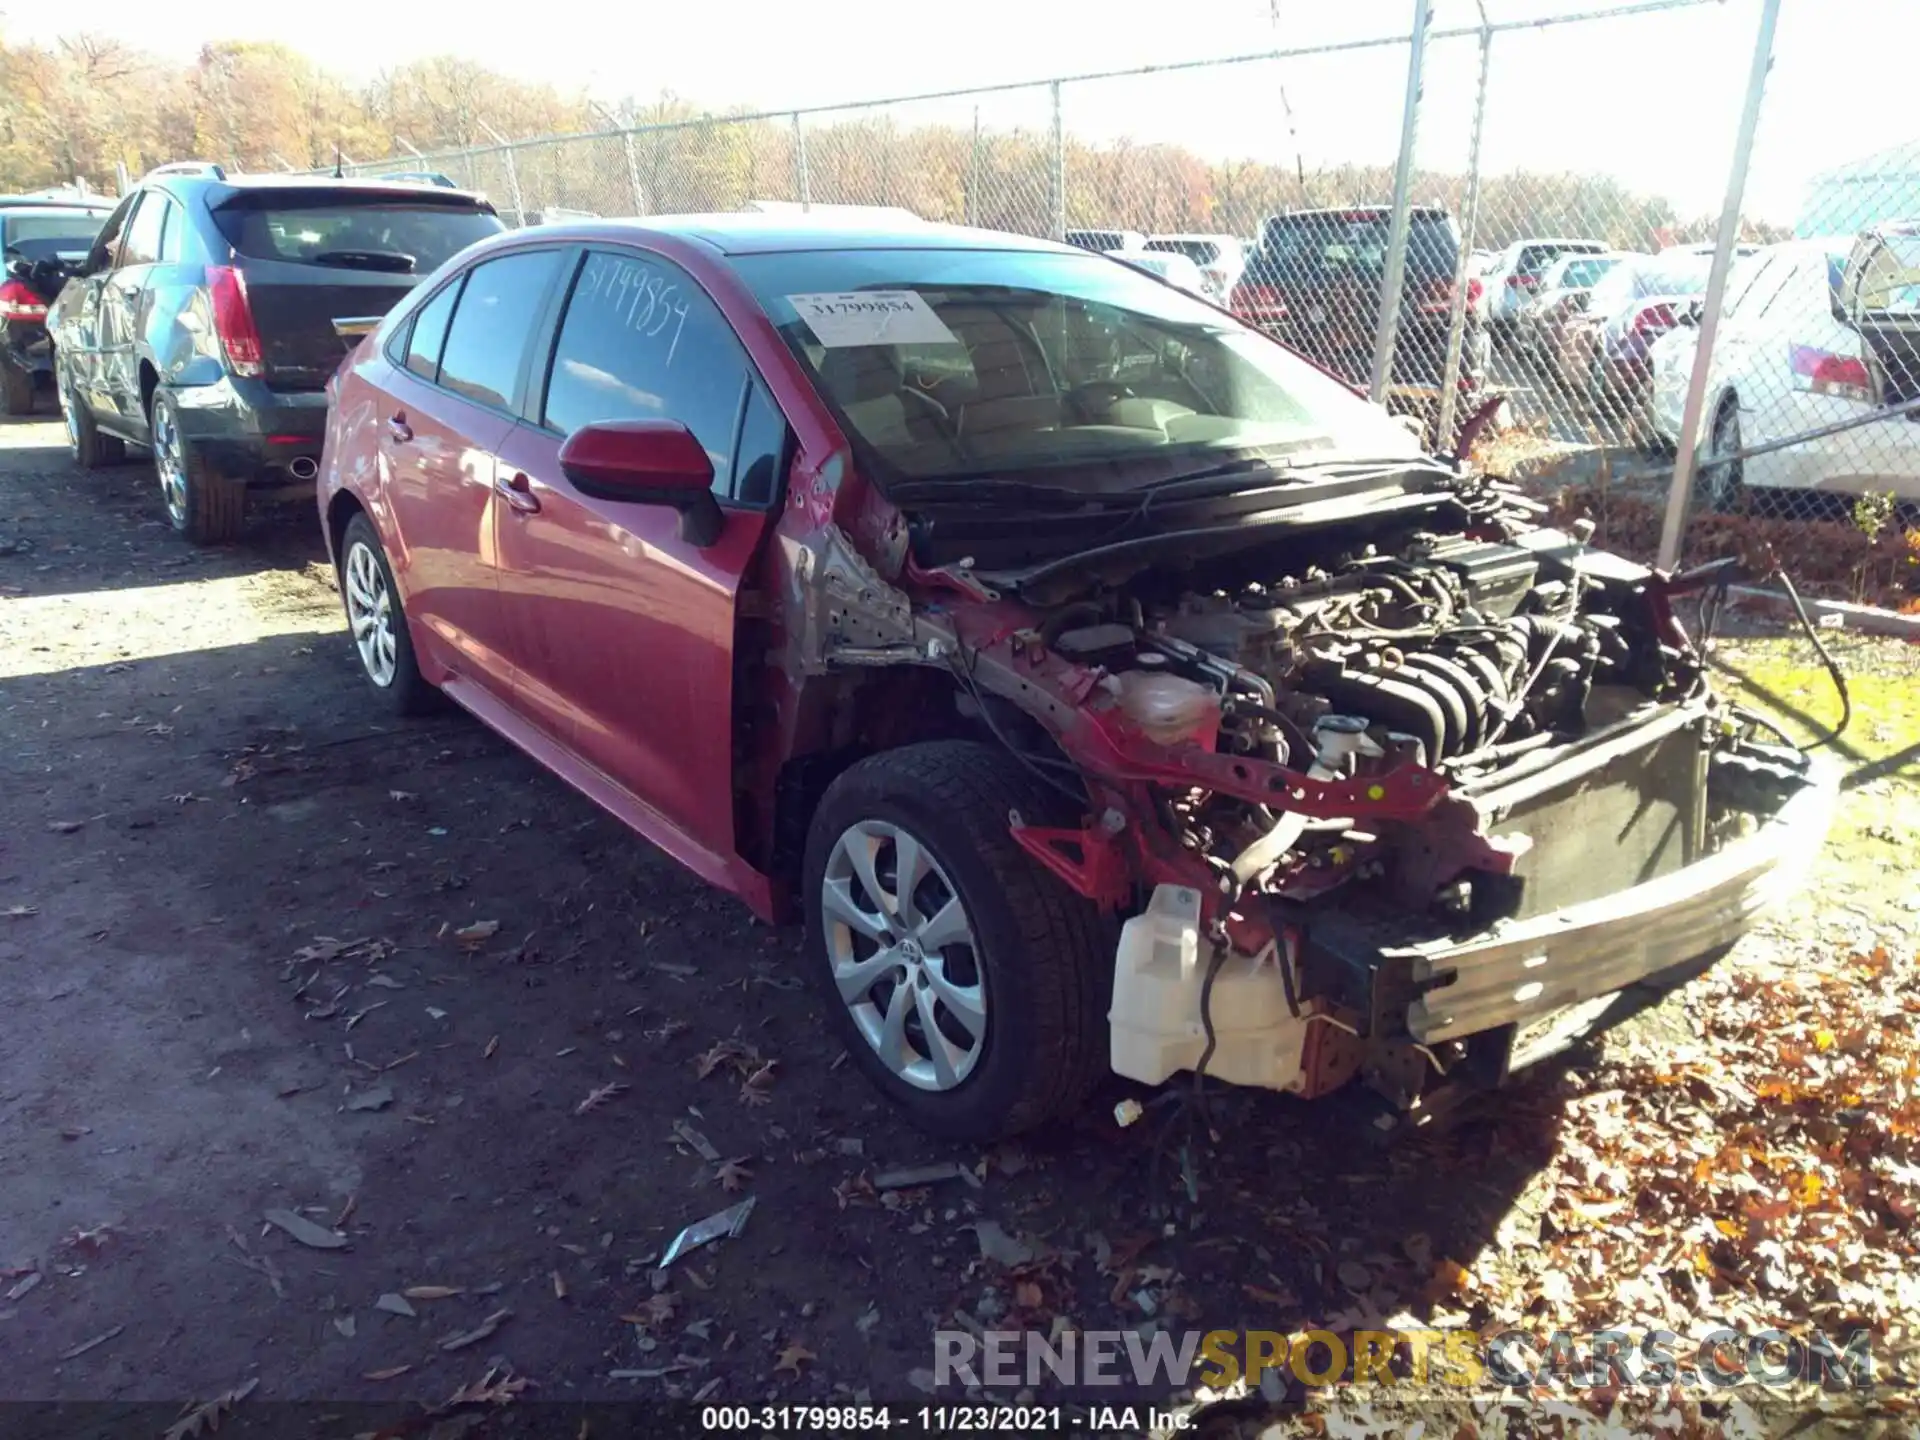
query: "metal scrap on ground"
722, 1224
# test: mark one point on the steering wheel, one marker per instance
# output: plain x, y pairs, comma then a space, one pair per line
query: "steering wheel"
1095, 395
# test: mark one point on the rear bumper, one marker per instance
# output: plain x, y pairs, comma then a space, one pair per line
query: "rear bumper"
1883, 456
1526, 970
249, 430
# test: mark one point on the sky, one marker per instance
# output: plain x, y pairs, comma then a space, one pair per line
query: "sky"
1653, 99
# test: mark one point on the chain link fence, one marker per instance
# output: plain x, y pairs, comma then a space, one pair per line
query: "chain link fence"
1427, 216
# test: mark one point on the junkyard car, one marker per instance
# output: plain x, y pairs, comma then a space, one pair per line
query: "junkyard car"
41, 239
1105, 686
202, 323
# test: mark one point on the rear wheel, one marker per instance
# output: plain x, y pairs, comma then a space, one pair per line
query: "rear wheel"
969, 983
90, 449
205, 506
1722, 481
16, 390
378, 623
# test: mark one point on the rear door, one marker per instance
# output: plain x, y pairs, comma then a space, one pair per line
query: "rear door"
313, 256
448, 408
628, 629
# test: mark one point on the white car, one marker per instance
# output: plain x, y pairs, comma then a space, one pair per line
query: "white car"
1174, 269
1784, 362
1219, 257
1512, 280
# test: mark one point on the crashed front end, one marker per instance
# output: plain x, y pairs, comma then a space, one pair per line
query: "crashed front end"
1415, 795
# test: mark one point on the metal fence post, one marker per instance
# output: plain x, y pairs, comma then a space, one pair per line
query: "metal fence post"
1059, 178
800, 184
513, 175
973, 173
1388, 329
1469, 227
633, 169
1685, 451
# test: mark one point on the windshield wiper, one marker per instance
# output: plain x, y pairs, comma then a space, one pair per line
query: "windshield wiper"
958, 491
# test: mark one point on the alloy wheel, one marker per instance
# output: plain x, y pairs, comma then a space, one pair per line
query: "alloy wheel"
63, 388
370, 613
1720, 478
901, 947
170, 463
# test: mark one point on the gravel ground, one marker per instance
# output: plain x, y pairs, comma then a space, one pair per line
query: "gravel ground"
259, 954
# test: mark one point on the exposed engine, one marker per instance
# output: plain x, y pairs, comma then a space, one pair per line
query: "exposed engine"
1452, 654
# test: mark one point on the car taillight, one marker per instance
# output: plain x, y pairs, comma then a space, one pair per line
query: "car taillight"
1522, 282
17, 302
1475, 290
233, 321
1825, 373
1437, 298
1654, 318
1264, 301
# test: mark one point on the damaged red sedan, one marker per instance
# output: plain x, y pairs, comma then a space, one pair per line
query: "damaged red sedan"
1105, 686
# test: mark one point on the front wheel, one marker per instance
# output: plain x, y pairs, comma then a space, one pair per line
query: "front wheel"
1722, 481
969, 983
90, 449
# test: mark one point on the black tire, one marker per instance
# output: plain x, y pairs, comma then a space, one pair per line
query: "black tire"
90, 449
207, 507
1043, 954
16, 390
405, 691
1723, 486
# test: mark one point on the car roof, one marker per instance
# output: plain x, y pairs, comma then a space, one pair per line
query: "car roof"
80, 203
219, 190
1209, 235
746, 234
87, 210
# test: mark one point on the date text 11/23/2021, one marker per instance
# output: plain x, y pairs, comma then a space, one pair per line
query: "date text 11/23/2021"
961, 1419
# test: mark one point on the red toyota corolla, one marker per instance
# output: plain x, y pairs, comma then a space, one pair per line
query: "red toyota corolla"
1107, 687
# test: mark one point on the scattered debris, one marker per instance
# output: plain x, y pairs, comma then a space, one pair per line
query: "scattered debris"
392, 1372
85, 1345
1000, 1247
20, 912
401, 796
385, 982
393, 1304
918, 1175
499, 1386
478, 933
722, 1224
64, 827
87, 1242
793, 1357
432, 1292
259, 1264
25, 1286
317, 1237
559, 1285
850, 1145
599, 1096
75, 1132
376, 1097
697, 1142
733, 1175
482, 1331
204, 1418
346, 1325
1128, 1111
493, 1046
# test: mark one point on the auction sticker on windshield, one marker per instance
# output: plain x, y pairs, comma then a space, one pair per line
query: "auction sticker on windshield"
872, 317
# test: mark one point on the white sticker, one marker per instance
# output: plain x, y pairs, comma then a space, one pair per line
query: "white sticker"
872, 317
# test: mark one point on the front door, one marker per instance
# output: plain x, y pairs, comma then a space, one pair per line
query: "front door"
79, 336
122, 311
627, 630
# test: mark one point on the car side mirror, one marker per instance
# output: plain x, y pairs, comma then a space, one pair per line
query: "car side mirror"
646, 462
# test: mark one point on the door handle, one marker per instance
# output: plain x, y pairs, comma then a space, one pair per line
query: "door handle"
397, 426
517, 491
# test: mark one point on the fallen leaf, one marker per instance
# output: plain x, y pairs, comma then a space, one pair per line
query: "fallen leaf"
1027, 1295
393, 1304
492, 1046
20, 912
432, 1292
390, 1373
559, 1286
733, 1175
793, 1357
480, 1332
478, 932
492, 1388
204, 1418
317, 1237
757, 1087
654, 1311
376, 1097
64, 827
599, 1096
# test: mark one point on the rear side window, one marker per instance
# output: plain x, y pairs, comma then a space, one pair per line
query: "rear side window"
492, 324
429, 333
641, 342
397, 237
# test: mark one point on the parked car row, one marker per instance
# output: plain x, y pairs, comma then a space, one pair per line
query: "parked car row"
1106, 687
42, 238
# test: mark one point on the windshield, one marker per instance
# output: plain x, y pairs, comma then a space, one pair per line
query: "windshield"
368, 235
1327, 245
1579, 274
1656, 275
1201, 252
47, 234
946, 364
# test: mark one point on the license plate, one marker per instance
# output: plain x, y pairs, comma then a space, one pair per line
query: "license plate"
1555, 1031
1317, 314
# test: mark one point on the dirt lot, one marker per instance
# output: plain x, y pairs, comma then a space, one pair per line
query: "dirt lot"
233, 977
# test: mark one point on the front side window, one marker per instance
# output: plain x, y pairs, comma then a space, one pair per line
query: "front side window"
641, 341
951, 364
429, 333
142, 245
492, 324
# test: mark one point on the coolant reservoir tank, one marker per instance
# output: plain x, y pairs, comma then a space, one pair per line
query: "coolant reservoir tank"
1168, 708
